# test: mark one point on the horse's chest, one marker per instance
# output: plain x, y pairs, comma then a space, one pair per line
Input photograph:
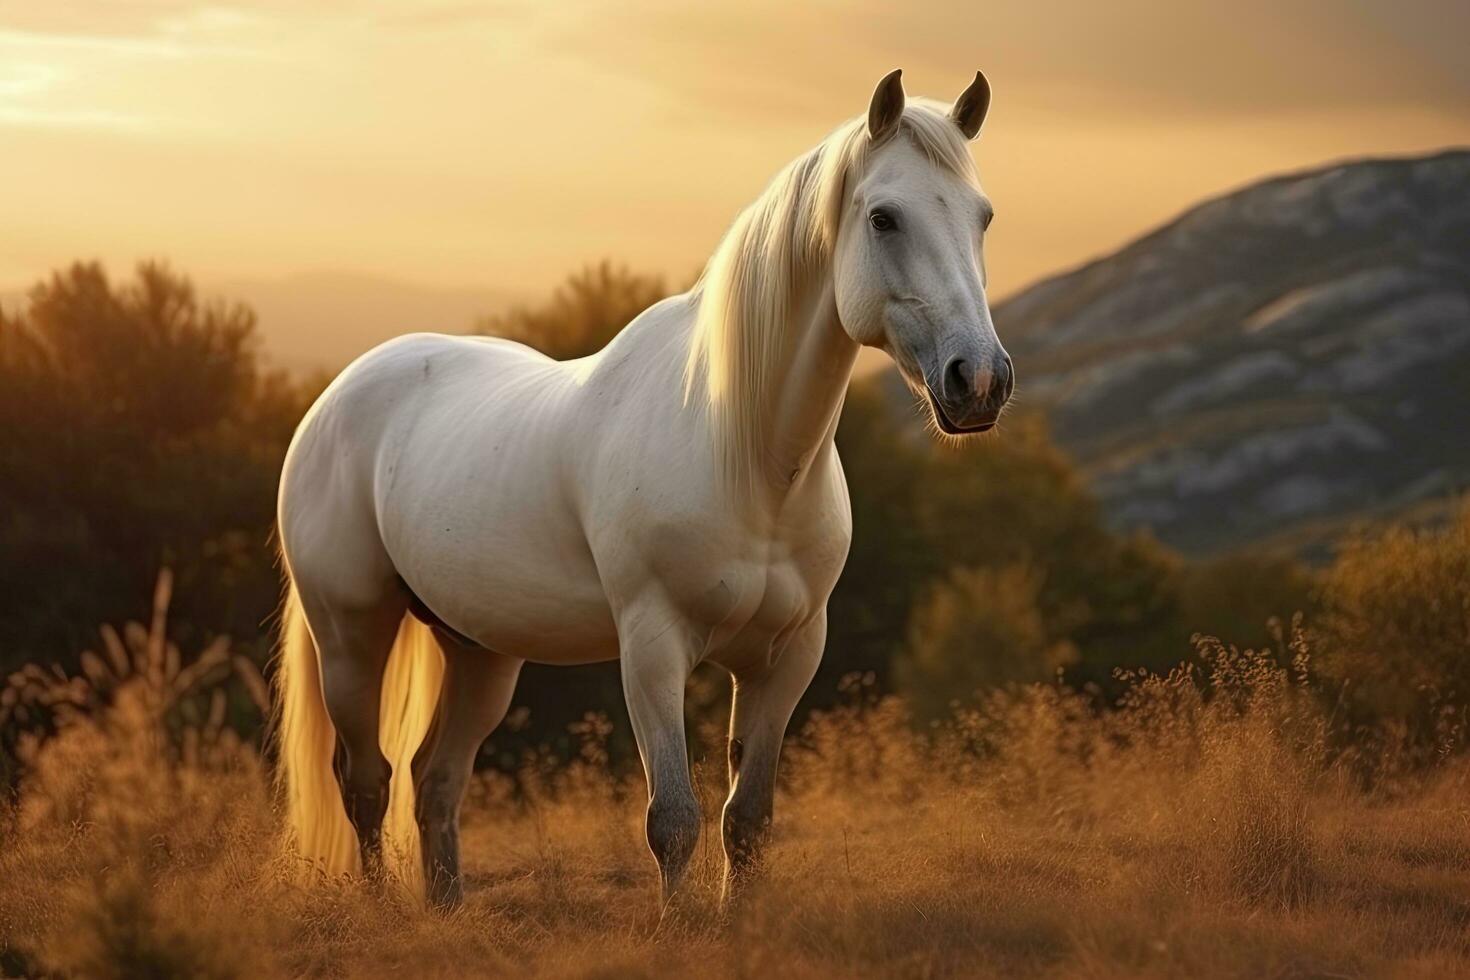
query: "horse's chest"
766, 602
779, 595
743, 591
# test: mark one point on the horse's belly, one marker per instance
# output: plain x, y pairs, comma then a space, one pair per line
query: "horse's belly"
496, 555
557, 627
524, 608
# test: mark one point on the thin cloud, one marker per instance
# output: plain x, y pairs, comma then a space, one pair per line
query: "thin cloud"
22, 117
455, 14
59, 76
105, 44
1123, 58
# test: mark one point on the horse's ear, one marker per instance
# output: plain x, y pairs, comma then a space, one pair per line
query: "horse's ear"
887, 107
970, 108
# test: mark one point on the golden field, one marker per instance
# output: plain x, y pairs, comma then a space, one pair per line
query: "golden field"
1226, 828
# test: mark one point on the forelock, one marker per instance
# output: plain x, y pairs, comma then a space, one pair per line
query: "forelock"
844, 159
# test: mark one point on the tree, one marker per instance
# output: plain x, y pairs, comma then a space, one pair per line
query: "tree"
1019, 499
140, 432
922, 512
890, 560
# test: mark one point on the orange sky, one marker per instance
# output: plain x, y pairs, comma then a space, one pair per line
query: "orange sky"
470, 151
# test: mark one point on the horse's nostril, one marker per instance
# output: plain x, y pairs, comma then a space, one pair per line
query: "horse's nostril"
1005, 376
957, 378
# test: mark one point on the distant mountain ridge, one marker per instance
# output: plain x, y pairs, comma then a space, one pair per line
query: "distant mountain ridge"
319, 321
1273, 364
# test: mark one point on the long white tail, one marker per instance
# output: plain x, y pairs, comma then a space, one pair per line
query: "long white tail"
318, 832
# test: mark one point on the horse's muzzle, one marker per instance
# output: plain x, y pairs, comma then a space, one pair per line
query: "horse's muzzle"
968, 398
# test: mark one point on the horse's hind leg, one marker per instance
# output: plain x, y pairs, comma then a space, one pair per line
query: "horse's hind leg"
473, 700
354, 645
761, 709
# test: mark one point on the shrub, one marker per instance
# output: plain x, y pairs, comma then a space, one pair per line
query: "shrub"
978, 628
1395, 625
1237, 597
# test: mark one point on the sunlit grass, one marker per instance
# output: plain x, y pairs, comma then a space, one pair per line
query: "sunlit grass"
1219, 822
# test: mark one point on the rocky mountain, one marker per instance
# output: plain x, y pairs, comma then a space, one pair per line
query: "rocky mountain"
1274, 364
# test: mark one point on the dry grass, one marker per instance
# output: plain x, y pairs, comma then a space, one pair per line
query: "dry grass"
1177, 836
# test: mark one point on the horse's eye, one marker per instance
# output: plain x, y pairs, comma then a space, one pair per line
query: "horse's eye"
882, 221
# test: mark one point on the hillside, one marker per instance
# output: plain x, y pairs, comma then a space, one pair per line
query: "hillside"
1272, 365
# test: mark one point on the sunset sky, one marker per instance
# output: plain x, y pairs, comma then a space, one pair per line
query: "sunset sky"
468, 152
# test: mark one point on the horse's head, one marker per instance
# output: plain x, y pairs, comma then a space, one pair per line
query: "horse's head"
909, 263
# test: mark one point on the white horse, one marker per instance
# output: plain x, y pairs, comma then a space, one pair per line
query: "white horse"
451, 507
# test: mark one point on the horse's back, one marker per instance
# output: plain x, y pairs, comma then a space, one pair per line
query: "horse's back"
394, 385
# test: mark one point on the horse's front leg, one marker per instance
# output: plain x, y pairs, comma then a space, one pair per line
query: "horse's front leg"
763, 702
657, 657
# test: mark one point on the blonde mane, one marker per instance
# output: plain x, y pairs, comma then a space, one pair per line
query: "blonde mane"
776, 244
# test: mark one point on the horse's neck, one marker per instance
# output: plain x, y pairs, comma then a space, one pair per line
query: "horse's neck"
804, 397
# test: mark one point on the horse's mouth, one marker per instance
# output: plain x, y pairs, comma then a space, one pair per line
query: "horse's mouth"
950, 428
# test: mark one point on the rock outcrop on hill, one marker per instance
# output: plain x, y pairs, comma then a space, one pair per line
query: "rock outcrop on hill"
1272, 365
